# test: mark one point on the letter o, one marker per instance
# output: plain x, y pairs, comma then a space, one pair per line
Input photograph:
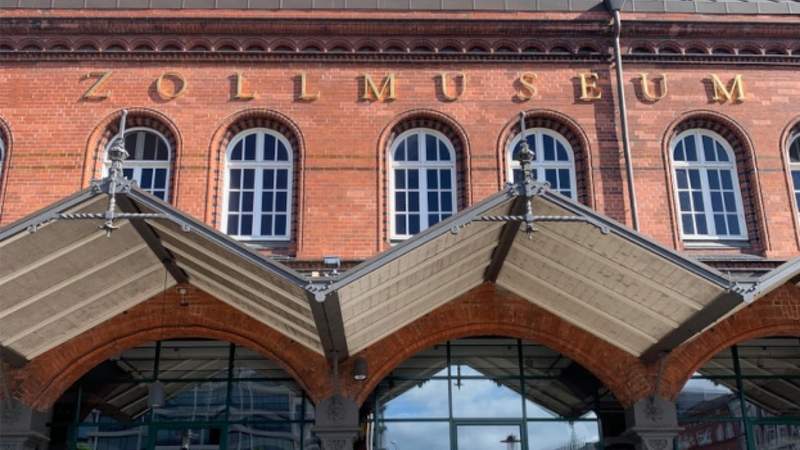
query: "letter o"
175, 76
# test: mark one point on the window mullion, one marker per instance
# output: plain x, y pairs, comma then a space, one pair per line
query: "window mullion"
258, 186
705, 186
423, 182
708, 210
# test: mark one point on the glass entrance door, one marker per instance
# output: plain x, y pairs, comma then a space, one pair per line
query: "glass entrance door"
488, 436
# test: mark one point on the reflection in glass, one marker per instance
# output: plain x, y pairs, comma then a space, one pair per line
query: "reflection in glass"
192, 402
712, 434
746, 397
196, 437
485, 398
419, 399
489, 437
110, 435
216, 395
576, 435
411, 436
480, 391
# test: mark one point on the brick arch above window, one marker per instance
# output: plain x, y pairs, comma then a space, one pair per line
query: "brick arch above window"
742, 147
432, 120
103, 134
231, 127
571, 132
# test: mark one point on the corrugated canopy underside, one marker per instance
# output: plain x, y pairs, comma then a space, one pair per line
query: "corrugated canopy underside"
604, 283
68, 277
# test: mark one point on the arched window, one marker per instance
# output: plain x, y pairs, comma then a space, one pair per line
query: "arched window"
423, 181
554, 161
148, 161
2, 157
258, 186
706, 187
794, 166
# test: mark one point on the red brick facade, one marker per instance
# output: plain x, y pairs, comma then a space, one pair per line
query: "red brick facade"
53, 139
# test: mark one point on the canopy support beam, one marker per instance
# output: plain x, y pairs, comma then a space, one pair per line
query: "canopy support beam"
507, 237
716, 309
12, 357
149, 236
327, 312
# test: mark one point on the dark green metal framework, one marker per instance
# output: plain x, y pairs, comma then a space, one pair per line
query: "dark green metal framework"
153, 425
742, 405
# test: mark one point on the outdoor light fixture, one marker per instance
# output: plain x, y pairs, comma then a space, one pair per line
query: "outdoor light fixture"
360, 369
332, 261
155, 395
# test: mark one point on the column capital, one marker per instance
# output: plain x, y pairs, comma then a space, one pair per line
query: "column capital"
337, 422
652, 423
23, 428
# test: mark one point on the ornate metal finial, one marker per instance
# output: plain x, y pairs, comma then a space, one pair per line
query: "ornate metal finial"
115, 183
117, 154
529, 186
525, 155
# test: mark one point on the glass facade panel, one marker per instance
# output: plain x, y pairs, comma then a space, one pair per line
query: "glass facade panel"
484, 393
488, 437
745, 398
577, 435
215, 396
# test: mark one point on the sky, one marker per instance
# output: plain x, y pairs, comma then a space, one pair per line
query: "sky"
475, 399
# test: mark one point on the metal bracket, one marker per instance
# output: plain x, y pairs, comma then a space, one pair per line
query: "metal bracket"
529, 188
318, 290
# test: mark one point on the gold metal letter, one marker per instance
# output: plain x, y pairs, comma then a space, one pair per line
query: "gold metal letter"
91, 93
239, 88
662, 87
371, 93
527, 90
458, 93
304, 95
589, 89
722, 94
175, 76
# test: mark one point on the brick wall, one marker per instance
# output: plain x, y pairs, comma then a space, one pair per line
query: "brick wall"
55, 137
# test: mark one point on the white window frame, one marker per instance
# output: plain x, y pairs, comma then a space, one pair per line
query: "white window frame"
421, 166
259, 164
703, 167
2, 157
539, 164
137, 165
793, 166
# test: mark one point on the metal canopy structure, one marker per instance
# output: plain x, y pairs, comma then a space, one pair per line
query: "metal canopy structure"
59, 278
84, 260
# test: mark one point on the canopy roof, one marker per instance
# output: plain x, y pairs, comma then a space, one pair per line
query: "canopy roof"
65, 277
